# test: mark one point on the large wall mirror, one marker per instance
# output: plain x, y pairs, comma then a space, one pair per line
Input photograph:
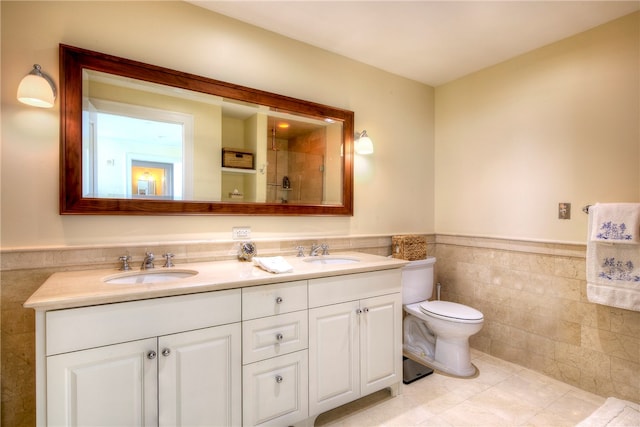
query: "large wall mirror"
138, 139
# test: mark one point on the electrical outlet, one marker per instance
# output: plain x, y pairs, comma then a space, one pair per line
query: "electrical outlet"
238, 233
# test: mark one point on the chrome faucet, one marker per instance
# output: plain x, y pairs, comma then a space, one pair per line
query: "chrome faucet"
315, 249
147, 263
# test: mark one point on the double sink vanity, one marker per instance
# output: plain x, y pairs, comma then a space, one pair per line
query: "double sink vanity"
220, 343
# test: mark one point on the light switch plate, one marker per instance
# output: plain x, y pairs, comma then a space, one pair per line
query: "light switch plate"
564, 210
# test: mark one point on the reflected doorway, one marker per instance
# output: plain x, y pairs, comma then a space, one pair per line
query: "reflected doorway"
151, 179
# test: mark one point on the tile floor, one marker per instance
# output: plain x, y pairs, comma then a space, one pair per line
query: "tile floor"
503, 394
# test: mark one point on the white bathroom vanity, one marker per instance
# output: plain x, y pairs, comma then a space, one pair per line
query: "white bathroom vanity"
227, 344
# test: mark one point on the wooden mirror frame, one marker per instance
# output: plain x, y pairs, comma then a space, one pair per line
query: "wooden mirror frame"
72, 62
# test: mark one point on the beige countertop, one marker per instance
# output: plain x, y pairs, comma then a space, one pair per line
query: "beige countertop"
87, 287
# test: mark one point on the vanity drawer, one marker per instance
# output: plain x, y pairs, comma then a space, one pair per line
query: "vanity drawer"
269, 300
350, 287
274, 336
95, 326
275, 391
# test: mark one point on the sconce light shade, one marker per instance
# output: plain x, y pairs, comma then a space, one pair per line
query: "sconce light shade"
37, 89
363, 144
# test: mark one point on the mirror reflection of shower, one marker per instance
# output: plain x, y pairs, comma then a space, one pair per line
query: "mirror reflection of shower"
277, 159
295, 163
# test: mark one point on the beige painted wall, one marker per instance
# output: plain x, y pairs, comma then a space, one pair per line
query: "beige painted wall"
559, 124
397, 113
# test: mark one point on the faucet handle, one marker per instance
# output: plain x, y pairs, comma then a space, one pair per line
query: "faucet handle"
168, 260
325, 249
300, 250
124, 259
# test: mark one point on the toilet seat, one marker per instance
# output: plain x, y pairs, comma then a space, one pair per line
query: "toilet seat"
451, 311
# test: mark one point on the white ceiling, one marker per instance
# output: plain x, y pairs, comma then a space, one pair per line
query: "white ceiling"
429, 41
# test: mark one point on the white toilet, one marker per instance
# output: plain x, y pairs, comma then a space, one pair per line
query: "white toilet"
436, 333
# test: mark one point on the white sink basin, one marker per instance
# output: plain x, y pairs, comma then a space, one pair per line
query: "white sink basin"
331, 259
149, 276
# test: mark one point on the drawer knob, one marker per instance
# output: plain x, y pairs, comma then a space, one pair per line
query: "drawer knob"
279, 300
279, 336
151, 355
166, 352
279, 379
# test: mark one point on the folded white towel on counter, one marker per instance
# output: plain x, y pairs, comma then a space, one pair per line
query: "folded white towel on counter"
275, 264
613, 269
615, 222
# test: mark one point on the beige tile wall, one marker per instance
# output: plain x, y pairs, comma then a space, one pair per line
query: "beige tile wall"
533, 296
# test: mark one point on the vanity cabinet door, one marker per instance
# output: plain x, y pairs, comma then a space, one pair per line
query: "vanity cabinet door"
354, 350
114, 385
380, 342
334, 356
200, 378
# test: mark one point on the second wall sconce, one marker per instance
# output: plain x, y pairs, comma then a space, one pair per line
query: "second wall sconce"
363, 144
37, 89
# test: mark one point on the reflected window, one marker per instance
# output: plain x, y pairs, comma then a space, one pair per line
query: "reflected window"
139, 155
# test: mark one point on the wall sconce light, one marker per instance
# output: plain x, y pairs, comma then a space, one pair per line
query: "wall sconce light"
37, 89
363, 144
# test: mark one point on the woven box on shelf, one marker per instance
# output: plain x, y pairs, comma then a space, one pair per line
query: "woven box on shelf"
409, 246
234, 158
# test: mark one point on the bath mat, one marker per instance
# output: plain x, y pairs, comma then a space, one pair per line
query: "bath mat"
614, 413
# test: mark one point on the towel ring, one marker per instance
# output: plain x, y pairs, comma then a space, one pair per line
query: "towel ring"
586, 209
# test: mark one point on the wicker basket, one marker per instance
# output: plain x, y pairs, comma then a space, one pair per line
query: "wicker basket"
233, 158
410, 247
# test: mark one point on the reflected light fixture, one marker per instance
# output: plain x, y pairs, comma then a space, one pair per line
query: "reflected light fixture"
37, 89
363, 144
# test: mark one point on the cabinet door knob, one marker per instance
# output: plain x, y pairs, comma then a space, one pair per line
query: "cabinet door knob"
279, 300
166, 352
366, 309
358, 311
151, 355
279, 379
279, 336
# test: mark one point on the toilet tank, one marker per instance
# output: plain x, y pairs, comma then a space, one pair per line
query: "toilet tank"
417, 280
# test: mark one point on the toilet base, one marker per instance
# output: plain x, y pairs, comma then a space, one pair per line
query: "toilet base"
470, 372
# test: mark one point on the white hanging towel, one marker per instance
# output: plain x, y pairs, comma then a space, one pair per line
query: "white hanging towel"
613, 255
615, 222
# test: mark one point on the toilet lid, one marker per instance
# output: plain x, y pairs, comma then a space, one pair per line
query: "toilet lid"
450, 310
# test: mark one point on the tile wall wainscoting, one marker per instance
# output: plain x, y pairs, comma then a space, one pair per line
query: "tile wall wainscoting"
532, 295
